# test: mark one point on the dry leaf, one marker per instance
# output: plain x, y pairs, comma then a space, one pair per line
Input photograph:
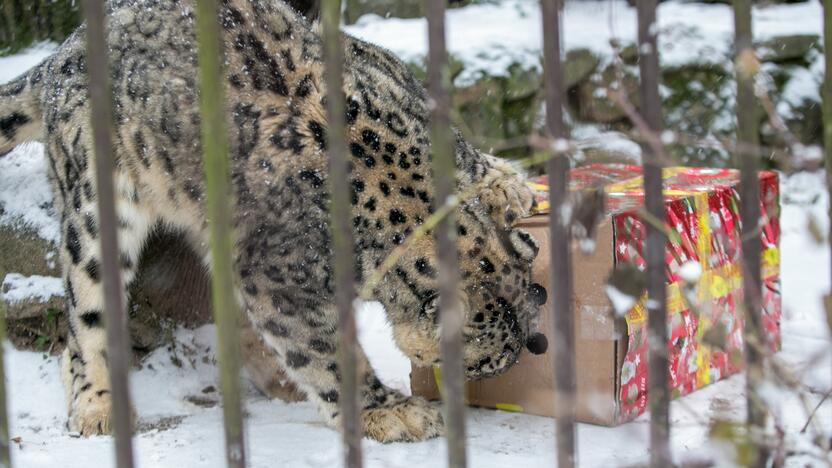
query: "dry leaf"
628, 279
815, 230
747, 63
716, 336
587, 212
735, 434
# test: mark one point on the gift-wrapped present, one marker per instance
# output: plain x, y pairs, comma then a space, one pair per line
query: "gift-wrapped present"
703, 268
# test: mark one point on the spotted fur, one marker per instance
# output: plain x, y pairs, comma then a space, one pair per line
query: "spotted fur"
283, 248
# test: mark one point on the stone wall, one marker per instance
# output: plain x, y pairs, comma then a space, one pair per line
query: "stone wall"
23, 22
697, 99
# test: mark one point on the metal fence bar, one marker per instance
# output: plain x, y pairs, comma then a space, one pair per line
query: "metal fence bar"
563, 330
747, 142
827, 110
217, 185
444, 168
827, 113
5, 455
341, 232
118, 340
827, 105
659, 394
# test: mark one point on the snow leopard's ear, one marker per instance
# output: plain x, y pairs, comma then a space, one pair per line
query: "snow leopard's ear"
311, 9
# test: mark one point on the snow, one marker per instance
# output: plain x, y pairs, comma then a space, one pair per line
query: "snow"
16, 288
621, 302
13, 66
690, 271
180, 420
488, 38
804, 85
591, 137
25, 194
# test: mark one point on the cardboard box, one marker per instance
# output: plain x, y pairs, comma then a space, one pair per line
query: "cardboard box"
703, 213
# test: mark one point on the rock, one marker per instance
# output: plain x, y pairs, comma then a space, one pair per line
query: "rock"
698, 102
493, 109
420, 69
387, 8
22, 251
592, 102
755, 2
804, 119
696, 96
479, 107
578, 65
788, 49
30, 21
32, 322
499, 108
806, 122
521, 83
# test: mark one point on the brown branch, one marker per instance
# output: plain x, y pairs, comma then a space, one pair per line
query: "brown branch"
814, 411
649, 136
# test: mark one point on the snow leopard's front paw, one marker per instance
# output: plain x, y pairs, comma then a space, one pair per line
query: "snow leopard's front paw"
411, 420
91, 413
507, 198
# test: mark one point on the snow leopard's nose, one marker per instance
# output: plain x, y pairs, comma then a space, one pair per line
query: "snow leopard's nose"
538, 294
537, 343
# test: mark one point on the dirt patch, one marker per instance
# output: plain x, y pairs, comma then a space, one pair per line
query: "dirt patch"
160, 425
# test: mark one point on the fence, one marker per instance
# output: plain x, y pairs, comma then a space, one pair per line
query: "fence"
215, 145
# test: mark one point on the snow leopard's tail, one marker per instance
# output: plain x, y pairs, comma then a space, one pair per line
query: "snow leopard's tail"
20, 113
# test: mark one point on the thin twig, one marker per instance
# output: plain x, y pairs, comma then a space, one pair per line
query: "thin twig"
820, 403
650, 137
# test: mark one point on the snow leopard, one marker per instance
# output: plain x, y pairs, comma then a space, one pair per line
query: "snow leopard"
276, 99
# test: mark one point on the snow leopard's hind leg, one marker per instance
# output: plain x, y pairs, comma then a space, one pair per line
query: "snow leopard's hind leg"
84, 364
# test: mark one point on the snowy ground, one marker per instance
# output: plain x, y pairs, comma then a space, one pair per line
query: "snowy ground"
180, 420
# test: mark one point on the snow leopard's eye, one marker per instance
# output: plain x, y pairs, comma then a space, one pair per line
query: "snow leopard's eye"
431, 307
538, 294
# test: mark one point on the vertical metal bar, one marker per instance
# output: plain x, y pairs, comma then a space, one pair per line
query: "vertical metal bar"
827, 105
659, 393
563, 330
444, 170
827, 111
747, 141
118, 340
341, 231
5, 455
217, 185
